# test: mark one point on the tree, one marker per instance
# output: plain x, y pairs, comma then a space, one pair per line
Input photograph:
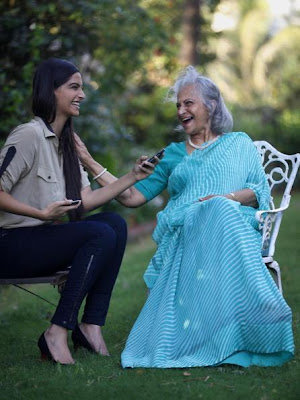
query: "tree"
196, 31
191, 23
114, 36
150, 121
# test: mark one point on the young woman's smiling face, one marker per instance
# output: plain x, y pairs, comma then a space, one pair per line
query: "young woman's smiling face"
69, 96
191, 111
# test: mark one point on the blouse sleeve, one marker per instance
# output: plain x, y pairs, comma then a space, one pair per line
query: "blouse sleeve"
155, 183
158, 181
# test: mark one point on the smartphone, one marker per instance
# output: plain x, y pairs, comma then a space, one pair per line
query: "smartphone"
74, 202
159, 154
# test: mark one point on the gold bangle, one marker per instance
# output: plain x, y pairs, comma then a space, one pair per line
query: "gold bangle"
233, 196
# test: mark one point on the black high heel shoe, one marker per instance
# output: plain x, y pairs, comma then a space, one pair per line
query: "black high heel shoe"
45, 352
79, 340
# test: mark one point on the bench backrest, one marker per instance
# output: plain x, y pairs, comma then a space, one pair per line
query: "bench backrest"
281, 170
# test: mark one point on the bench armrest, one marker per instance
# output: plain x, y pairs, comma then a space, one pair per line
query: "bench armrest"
259, 215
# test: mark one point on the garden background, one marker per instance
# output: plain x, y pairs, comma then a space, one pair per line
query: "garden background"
129, 52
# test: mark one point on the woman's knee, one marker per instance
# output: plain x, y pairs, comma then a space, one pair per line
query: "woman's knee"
118, 221
99, 233
113, 219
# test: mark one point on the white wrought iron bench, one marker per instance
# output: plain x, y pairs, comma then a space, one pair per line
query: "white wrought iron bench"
281, 170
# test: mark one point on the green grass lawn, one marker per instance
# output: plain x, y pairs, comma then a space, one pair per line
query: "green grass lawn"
24, 317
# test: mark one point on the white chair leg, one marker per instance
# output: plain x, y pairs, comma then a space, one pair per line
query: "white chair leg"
275, 266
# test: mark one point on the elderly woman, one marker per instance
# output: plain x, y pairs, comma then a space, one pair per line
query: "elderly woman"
212, 300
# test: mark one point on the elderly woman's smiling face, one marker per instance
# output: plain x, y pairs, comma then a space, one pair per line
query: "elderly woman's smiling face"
191, 111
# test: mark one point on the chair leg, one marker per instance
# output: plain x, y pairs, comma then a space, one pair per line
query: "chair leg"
275, 266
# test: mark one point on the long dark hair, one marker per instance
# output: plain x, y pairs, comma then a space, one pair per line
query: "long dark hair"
49, 75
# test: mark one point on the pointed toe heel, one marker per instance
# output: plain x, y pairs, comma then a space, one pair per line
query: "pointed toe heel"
79, 340
44, 349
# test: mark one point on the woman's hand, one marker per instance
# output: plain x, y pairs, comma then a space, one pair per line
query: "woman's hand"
244, 196
58, 210
208, 197
55, 210
142, 168
82, 151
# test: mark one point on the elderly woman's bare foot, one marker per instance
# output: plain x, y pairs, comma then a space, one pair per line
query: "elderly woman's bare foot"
94, 336
56, 341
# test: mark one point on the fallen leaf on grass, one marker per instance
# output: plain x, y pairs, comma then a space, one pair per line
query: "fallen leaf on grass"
120, 344
187, 374
106, 377
202, 378
140, 371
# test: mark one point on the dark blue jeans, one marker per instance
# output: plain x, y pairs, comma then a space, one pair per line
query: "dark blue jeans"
94, 247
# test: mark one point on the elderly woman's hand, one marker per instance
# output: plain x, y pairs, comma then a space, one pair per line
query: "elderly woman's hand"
230, 196
246, 197
208, 197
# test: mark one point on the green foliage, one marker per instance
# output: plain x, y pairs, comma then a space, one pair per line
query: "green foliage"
152, 120
257, 71
117, 35
276, 79
280, 129
30, 31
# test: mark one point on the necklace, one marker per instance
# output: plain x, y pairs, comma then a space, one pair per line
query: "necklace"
203, 145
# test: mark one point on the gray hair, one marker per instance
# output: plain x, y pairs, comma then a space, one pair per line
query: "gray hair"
221, 119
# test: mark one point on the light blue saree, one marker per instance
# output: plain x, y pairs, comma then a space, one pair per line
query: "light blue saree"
212, 300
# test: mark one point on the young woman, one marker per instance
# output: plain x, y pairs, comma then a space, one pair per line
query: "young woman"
37, 189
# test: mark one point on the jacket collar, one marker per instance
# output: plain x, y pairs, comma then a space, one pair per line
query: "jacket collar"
48, 132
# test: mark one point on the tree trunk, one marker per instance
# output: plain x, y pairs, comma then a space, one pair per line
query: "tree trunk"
191, 22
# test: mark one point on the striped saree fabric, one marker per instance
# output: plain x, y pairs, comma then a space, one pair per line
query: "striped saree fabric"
212, 300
